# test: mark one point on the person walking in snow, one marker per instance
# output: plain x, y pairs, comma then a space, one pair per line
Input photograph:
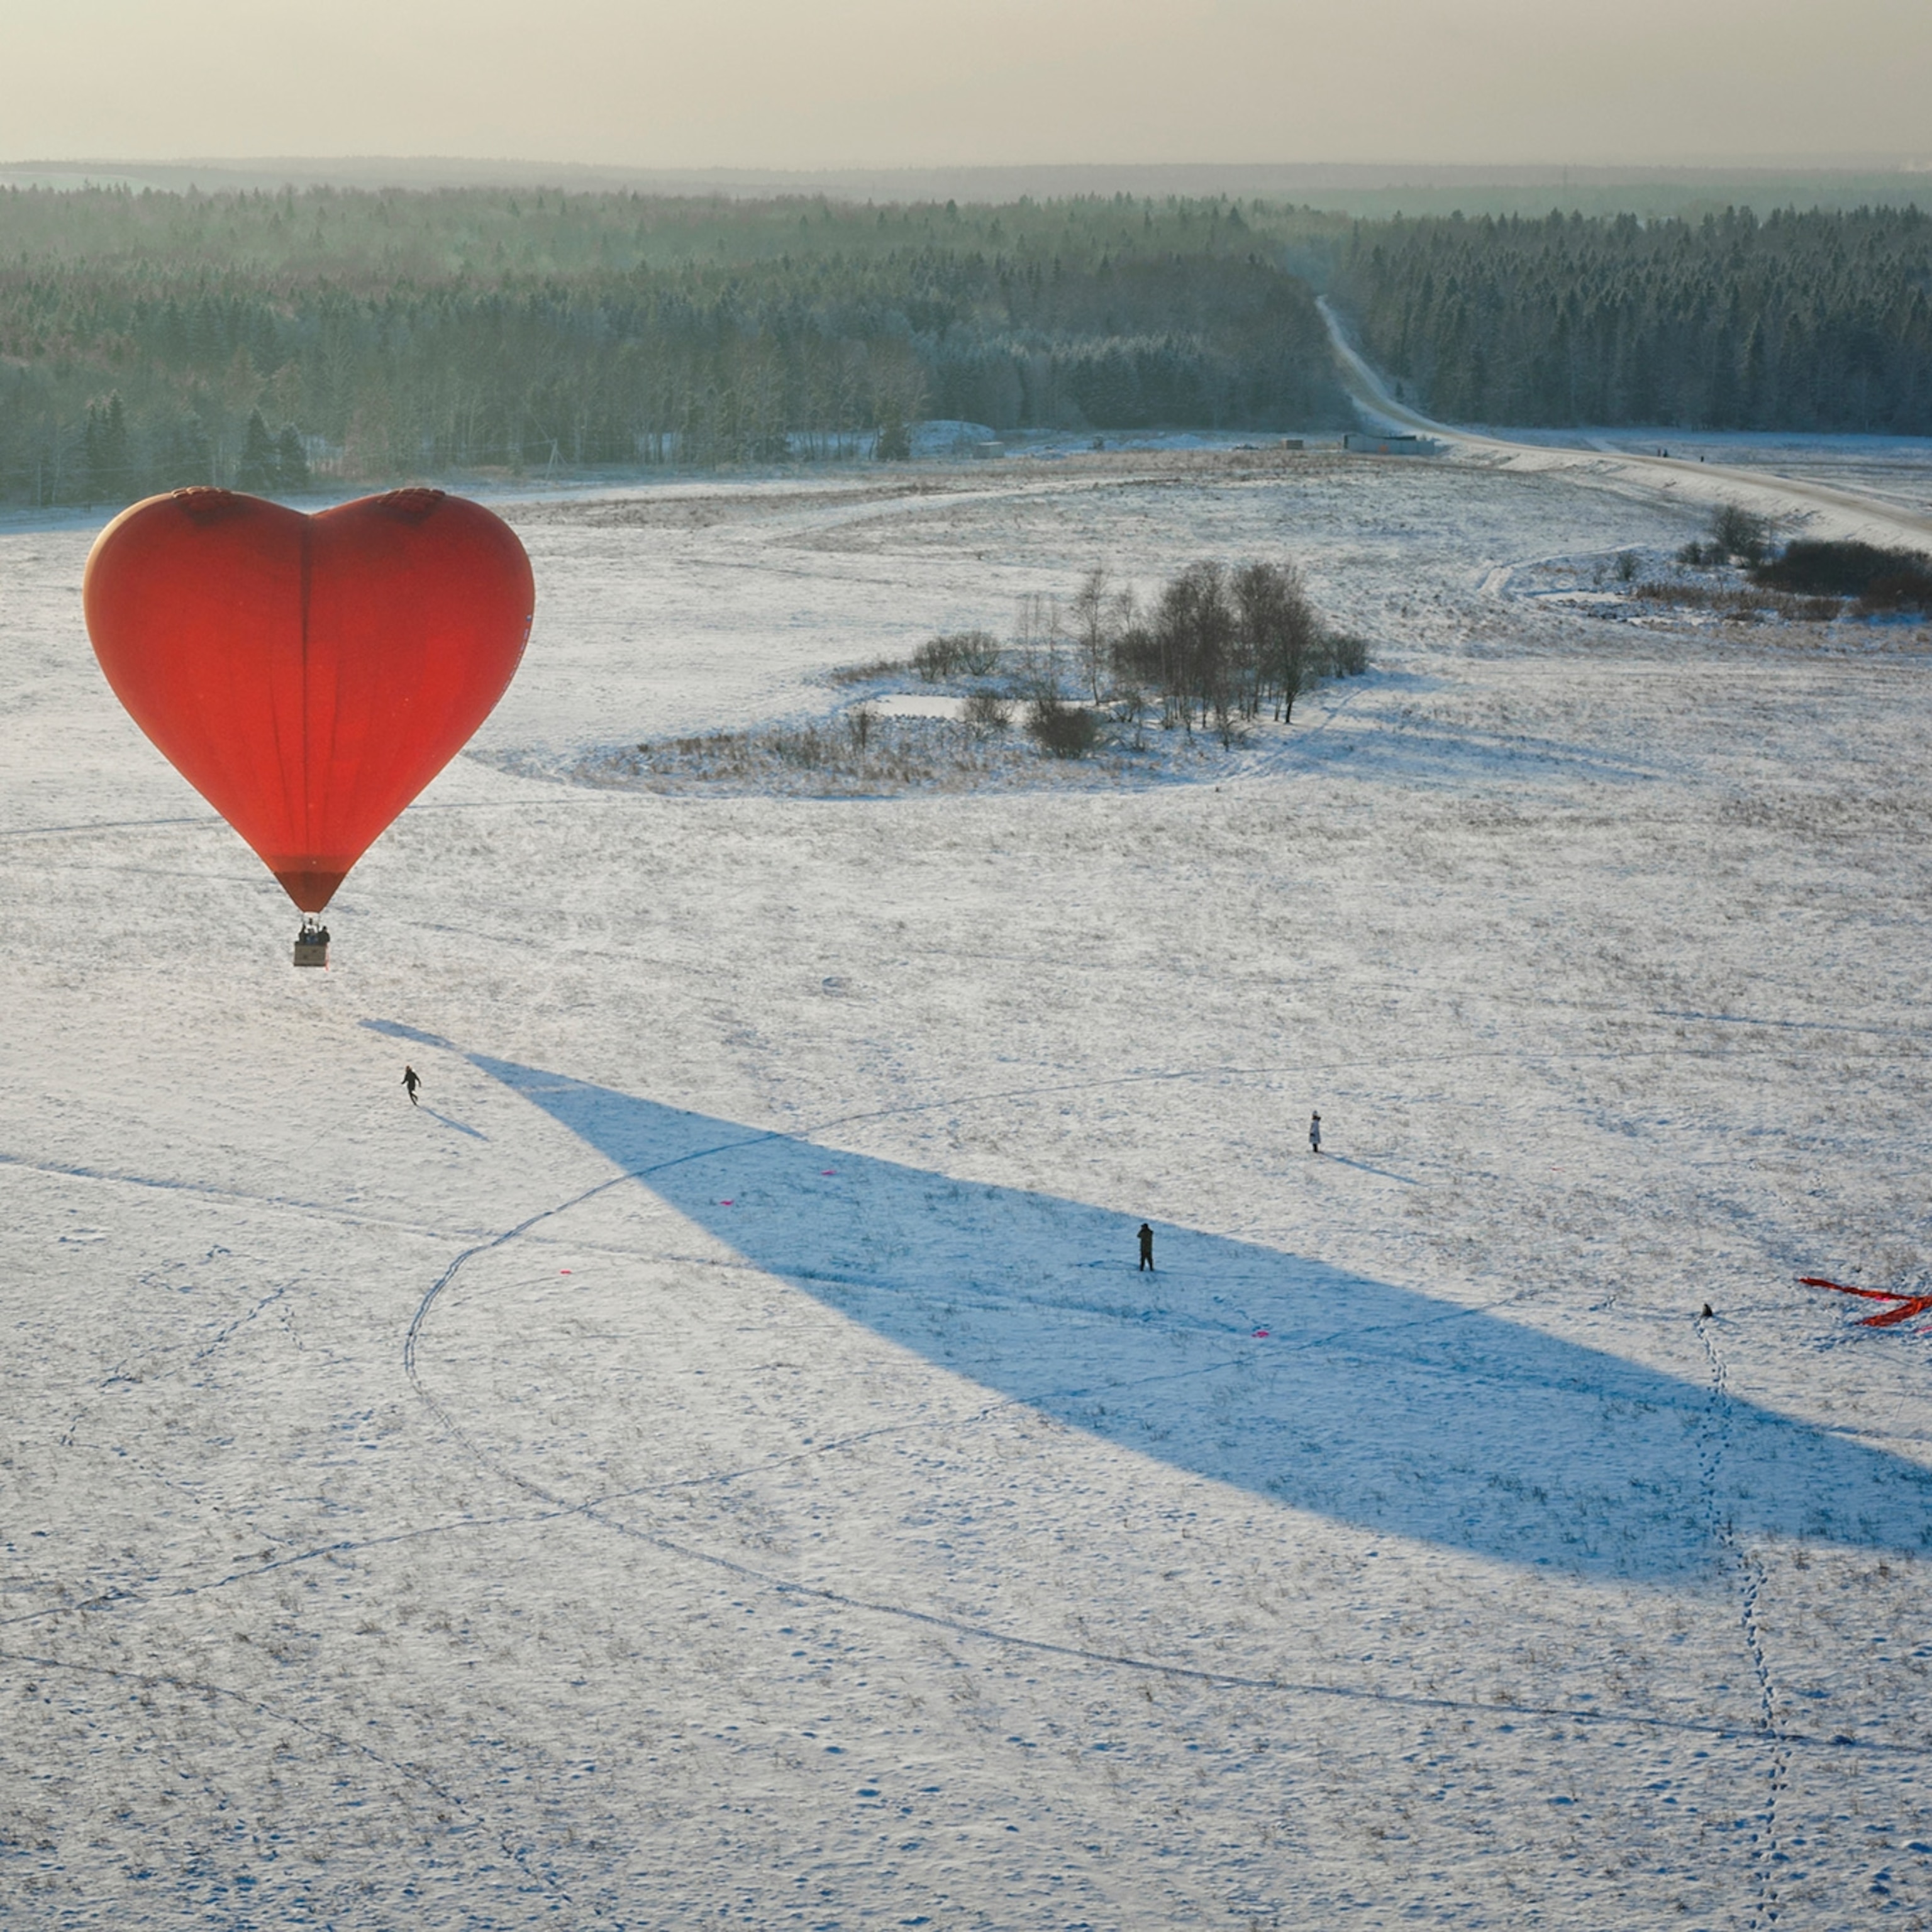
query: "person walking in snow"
1147, 1247
412, 1080
1314, 1133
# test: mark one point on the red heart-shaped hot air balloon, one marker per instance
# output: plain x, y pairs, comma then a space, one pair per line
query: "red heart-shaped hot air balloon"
308, 676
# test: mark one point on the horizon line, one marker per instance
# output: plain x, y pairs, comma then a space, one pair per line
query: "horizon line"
1501, 172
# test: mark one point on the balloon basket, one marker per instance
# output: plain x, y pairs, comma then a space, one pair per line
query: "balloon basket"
311, 947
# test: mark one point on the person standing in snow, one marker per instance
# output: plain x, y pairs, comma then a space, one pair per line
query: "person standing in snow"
1147, 1247
1314, 1133
412, 1080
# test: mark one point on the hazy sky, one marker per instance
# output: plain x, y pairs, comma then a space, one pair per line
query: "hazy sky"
817, 83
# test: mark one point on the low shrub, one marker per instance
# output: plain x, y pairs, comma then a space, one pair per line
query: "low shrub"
1891, 580
1897, 590
1746, 603
843, 756
979, 653
988, 711
865, 673
957, 654
807, 747
1737, 532
1342, 655
1061, 730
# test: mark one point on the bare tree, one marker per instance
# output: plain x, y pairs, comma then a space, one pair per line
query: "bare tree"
1195, 625
1281, 635
1038, 641
1093, 613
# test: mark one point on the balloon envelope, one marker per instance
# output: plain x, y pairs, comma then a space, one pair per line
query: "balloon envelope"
308, 676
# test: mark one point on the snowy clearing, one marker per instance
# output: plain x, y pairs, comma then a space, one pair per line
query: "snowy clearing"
716, 1459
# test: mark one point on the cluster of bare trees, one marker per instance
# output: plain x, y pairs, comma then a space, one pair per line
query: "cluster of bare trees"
1217, 646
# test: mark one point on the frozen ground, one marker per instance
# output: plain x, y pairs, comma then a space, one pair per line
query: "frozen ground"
1890, 470
715, 1461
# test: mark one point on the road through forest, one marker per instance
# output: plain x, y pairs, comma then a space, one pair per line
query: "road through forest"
1825, 510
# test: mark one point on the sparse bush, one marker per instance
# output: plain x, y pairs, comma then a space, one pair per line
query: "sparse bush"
979, 653
1737, 532
1744, 604
988, 711
808, 746
957, 654
842, 758
1060, 730
1627, 563
1344, 655
865, 673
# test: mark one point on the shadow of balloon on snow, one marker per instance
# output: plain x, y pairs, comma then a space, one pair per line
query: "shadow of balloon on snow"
1364, 1402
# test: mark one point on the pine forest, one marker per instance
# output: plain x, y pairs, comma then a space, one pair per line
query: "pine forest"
268, 342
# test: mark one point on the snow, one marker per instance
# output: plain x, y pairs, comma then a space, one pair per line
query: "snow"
716, 1459
945, 435
919, 704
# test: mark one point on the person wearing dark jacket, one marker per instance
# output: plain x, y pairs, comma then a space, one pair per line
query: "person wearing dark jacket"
412, 1080
1314, 1133
1147, 1247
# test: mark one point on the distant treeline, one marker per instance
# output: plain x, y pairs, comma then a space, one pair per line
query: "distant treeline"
1800, 322
151, 340
257, 339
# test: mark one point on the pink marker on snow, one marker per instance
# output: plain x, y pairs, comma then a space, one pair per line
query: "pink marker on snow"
1261, 1334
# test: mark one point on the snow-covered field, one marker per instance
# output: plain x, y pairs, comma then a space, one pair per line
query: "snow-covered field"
716, 1462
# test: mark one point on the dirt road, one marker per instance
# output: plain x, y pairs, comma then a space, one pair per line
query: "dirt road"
1821, 509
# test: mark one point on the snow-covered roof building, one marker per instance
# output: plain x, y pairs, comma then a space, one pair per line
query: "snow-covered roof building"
1386, 443
1378, 442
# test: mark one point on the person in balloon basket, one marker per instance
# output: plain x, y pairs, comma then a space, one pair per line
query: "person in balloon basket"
1314, 1133
1147, 1247
412, 1080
